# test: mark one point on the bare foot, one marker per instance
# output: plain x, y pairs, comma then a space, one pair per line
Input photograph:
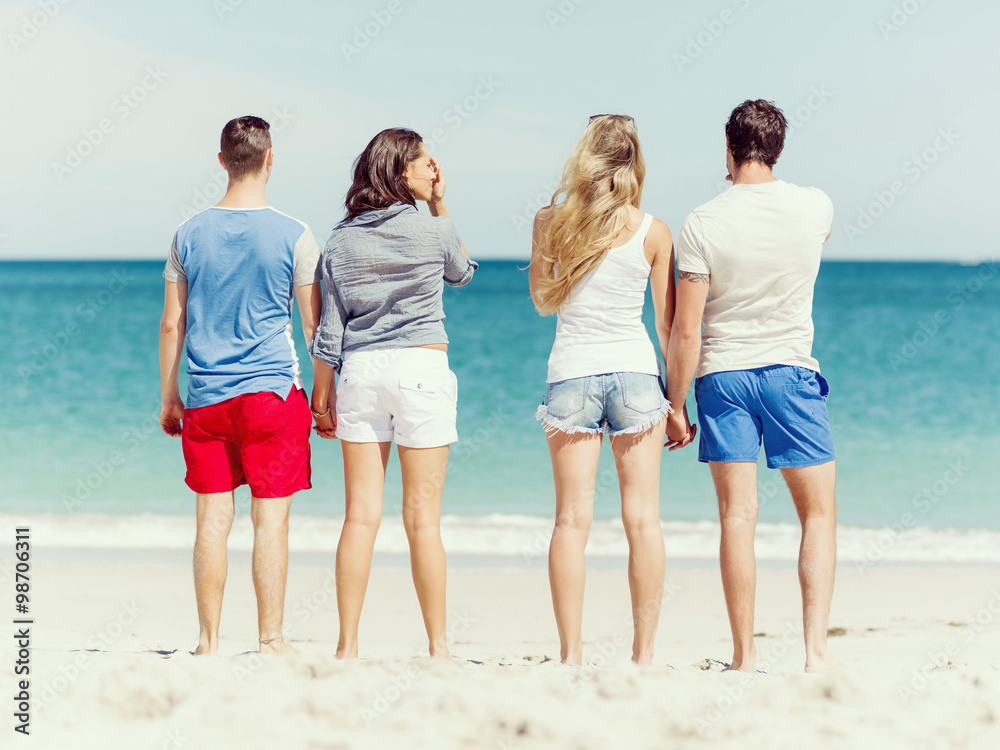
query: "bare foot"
206, 648
747, 663
440, 651
825, 663
276, 648
642, 660
347, 653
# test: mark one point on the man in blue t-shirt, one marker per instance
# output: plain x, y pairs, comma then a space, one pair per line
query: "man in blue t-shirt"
232, 273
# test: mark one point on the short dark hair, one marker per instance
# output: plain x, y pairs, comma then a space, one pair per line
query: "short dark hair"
378, 172
756, 132
245, 142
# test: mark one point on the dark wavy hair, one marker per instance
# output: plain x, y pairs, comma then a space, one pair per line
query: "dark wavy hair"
756, 132
378, 172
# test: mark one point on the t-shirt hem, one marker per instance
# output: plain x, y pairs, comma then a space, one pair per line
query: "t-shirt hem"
753, 365
283, 392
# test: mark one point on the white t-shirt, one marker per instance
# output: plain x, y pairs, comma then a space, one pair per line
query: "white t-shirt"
761, 245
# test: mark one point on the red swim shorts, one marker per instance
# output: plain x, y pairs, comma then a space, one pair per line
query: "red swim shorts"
258, 439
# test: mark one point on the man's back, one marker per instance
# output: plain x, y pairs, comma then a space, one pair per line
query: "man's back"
760, 244
240, 267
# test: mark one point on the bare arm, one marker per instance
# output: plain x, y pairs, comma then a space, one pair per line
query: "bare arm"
661, 282
309, 298
436, 204
685, 342
173, 325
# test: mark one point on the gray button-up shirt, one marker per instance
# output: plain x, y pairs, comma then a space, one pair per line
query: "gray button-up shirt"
383, 276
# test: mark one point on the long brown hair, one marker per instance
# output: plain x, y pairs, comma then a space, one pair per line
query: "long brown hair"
600, 181
378, 172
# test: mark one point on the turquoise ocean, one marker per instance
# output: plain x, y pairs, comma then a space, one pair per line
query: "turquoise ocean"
911, 351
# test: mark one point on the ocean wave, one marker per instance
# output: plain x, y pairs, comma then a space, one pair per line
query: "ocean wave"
516, 536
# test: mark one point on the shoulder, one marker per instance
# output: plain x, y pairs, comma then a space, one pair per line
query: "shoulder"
290, 223
813, 194
200, 219
659, 234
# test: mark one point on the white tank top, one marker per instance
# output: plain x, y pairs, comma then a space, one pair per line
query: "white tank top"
600, 326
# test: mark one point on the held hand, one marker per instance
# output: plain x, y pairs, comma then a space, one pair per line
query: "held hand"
326, 426
171, 416
438, 186
680, 432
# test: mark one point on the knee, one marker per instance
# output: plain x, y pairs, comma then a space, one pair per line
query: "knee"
573, 520
419, 524
269, 518
368, 522
738, 511
641, 525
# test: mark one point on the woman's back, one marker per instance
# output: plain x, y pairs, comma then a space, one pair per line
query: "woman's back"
600, 326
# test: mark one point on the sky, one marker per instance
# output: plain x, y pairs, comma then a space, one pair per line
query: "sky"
111, 111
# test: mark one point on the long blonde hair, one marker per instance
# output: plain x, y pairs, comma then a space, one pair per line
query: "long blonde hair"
601, 181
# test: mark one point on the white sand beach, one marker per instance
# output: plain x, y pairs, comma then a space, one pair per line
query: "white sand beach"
111, 666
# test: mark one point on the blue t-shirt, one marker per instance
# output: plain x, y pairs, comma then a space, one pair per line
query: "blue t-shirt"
241, 267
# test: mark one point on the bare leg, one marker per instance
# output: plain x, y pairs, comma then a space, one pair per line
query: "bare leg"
214, 520
423, 472
270, 568
736, 486
637, 458
574, 468
364, 481
813, 490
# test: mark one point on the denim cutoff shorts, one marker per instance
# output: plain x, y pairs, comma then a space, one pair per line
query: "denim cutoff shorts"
622, 402
781, 406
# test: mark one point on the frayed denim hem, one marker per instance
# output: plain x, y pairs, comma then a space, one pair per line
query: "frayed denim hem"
658, 417
554, 424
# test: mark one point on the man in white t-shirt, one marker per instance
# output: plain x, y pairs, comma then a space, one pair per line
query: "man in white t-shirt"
747, 262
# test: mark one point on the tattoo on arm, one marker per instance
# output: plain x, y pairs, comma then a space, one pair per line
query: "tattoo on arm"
692, 277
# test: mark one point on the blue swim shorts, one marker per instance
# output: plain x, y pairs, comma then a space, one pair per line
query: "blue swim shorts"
623, 402
782, 406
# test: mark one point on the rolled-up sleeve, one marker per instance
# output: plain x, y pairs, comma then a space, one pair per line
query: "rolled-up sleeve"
458, 267
328, 343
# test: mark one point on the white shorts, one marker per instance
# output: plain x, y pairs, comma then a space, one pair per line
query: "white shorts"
404, 395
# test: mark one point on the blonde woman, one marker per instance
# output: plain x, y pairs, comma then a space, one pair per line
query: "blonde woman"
593, 253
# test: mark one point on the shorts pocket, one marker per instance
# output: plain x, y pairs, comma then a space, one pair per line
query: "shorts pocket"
640, 392
420, 383
804, 402
565, 398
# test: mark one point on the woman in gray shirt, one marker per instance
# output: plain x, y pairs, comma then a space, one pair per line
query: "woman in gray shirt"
382, 330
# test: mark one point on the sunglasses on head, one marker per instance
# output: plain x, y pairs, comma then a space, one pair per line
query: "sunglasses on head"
625, 118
